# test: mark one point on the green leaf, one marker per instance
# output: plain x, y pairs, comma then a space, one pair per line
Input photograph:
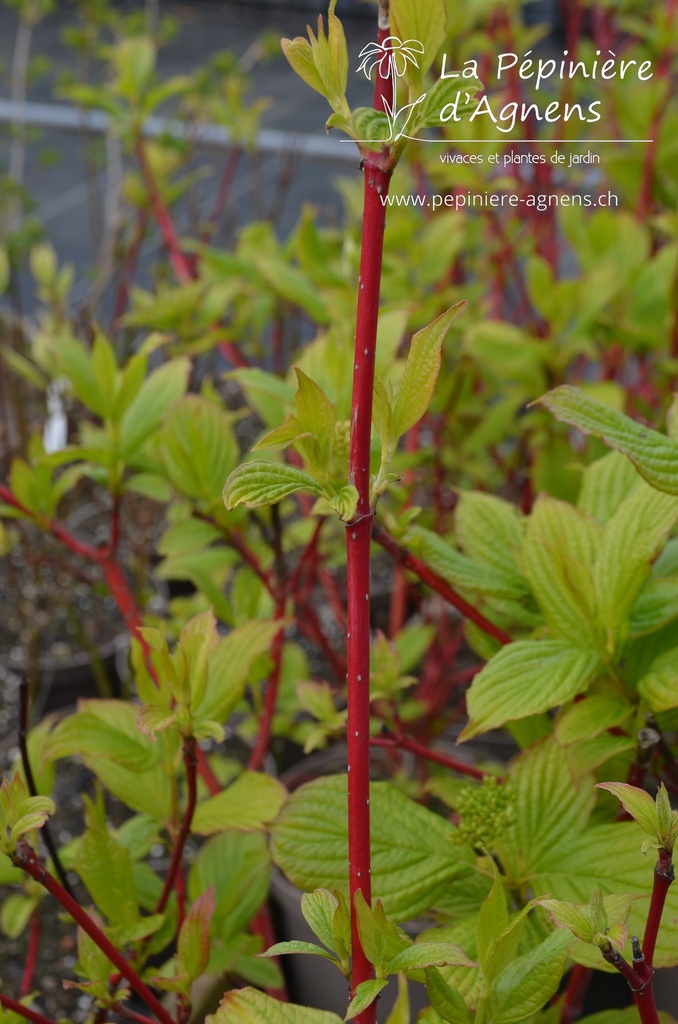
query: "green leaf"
249, 803
445, 999
87, 733
567, 915
365, 994
524, 678
412, 20
372, 931
656, 606
105, 866
400, 1014
319, 908
489, 529
316, 415
654, 455
659, 685
522, 989
250, 1006
635, 802
412, 856
429, 954
15, 913
237, 866
157, 395
549, 809
591, 717
229, 664
630, 541
605, 484
265, 483
296, 946
199, 448
193, 944
463, 572
557, 558
492, 920
421, 370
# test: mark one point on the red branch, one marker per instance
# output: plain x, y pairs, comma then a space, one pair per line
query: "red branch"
403, 743
573, 1000
358, 535
31, 955
409, 561
180, 264
26, 859
24, 1011
271, 697
190, 763
663, 876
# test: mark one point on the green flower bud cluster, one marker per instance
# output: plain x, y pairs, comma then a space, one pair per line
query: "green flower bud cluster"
342, 437
485, 812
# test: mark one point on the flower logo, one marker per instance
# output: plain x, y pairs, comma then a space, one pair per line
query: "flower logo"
391, 57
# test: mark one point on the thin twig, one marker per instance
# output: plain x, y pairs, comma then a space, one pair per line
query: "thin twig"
404, 743
24, 1011
409, 561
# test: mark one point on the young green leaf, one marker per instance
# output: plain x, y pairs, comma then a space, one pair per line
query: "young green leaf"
445, 999
429, 954
523, 988
193, 945
265, 483
365, 994
421, 370
296, 946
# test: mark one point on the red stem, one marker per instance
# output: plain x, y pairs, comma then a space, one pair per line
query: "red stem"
403, 743
663, 876
180, 264
190, 763
23, 1011
205, 772
26, 859
575, 993
222, 192
426, 575
358, 534
128, 268
271, 697
31, 955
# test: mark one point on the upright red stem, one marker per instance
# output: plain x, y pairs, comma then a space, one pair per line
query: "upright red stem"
271, 697
358, 535
31, 954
